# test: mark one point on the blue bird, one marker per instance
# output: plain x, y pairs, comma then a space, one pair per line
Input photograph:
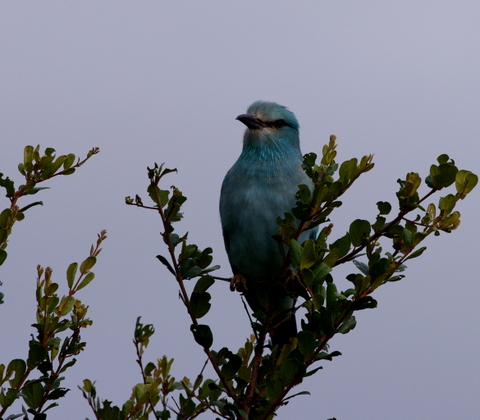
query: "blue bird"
260, 187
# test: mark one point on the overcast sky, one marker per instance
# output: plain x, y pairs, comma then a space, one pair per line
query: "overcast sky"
158, 81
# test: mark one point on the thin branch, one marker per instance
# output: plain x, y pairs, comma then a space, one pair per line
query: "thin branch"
381, 232
184, 293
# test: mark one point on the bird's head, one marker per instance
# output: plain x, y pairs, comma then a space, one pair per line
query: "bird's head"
270, 124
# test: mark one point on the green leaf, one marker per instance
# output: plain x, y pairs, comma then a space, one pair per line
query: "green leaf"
309, 159
298, 393
3, 256
3, 235
21, 169
295, 253
230, 369
379, 223
18, 366
342, 245
203, 284
288, 370
408, 237
408, 195
189, 269
379, 268
71, 273
66, 305
4, 218
451, 221
69, 160
69, 171
88, 278
167, 171
443, 175
465, 181
309, 257
87, 264
332, 257
327, 356
198, 381
165, 262
57, 393
33, 191
417, 253
36, 354
51, 289
384, 207
67, 365
447, 204
57, 163
200, 304
347, 325
306, 343
308, 277
8, 184
6, 400
304, 194
443, 158
36, 203
162, 199
320, 272
205, 258
202, 335
348, 170
274, 389
332, 295
142, 393
320, 192
28, 154
33, 394
366, 302
359, 232
362, 267
143, 333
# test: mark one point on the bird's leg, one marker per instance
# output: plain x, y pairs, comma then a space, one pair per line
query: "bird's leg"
295, 285
238, 283
292, 277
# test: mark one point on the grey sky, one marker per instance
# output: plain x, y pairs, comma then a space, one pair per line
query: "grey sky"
163, 82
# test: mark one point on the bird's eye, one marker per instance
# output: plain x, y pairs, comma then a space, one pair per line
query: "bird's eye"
279, 123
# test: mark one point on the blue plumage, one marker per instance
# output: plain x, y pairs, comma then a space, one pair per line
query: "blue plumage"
259, 187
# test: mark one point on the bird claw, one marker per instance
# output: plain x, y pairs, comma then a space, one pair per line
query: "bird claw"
293, 279
295, 284
238, 283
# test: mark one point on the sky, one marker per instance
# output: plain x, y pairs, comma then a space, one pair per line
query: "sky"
162, 82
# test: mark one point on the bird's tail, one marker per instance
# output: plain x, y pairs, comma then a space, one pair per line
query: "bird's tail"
267, 298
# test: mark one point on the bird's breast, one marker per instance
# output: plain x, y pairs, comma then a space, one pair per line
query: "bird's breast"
252, 199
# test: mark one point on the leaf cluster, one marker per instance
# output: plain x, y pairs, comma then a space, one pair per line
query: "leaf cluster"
37, 380
156, 387
253, 382
35, 168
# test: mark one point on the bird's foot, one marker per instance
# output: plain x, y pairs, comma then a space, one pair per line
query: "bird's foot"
238, 283
295, 284
293, 279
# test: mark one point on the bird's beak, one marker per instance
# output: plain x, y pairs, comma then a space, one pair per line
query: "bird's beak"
251, 121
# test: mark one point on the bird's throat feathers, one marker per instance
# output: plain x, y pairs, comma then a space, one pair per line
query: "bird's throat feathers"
268, 145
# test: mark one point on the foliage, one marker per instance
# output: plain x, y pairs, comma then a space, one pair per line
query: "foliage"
37, 380
35, 168
256, 381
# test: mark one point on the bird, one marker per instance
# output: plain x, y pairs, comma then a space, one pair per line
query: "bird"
258, 188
